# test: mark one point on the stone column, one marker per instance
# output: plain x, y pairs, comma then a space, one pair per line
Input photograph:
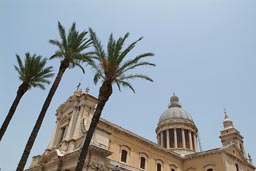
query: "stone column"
158, 139
183, 138
190, 140
195, 142
175, 138
162, 138
167, 139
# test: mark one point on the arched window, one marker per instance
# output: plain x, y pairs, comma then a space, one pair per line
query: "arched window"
209, 169
142, 162
237, 167
158, 167
173, 167
124, 154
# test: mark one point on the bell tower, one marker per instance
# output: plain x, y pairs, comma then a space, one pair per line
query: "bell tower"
230, 135
73, 119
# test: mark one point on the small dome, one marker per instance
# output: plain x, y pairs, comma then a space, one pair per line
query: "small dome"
175, 111
227, 121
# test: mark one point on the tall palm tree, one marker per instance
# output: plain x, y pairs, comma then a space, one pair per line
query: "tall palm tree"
111, 69
70, 51
33, 73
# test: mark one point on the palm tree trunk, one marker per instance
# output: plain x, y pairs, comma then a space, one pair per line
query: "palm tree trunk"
40, 118
104, 94
21, 91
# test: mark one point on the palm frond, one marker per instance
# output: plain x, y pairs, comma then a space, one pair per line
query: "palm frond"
34, 71
133, 66
113, 67
133, 76
119, 44
124, 84
97, 45
62, 33
57, 54
71, 35
58, 44
127, 50
133, 62
20, 67
96, 77
111, 50
84, 45
79, 65
71, 47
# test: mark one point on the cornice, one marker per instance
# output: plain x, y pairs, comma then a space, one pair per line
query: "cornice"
112, 127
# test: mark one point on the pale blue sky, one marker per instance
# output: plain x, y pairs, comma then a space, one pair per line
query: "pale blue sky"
204, 51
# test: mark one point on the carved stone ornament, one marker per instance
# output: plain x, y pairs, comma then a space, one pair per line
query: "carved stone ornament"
83, 124
96, 166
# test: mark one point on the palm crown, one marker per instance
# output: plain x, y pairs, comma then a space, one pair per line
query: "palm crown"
111, 65
71, 46
33, 71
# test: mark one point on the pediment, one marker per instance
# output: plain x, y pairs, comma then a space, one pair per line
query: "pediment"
235, 152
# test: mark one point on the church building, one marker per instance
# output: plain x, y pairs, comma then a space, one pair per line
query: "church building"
114, 148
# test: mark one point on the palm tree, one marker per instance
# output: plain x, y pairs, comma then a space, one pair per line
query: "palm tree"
70, 51
111, 69
33, 73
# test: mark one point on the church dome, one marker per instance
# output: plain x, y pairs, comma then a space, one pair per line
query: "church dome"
174, 113
176, 129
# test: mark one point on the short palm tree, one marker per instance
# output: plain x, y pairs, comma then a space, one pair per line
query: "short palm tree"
33, 73
70, 51
111, 69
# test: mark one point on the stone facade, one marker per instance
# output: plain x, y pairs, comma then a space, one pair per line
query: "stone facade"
115, 148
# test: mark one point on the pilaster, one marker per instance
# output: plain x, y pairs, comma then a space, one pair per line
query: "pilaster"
51, 144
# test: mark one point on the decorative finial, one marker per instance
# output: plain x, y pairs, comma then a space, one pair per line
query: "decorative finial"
87, 90
225, 113
249, 158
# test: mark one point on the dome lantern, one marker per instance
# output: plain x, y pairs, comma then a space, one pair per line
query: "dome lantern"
174, 102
